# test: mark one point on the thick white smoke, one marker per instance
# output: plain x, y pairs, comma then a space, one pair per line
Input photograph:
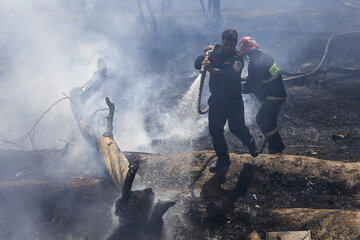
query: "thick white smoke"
44, 53
50, 47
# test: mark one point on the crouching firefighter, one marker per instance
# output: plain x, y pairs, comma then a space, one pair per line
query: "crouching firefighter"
225, 103
265, 81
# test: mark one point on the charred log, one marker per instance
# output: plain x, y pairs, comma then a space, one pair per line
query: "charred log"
115, 161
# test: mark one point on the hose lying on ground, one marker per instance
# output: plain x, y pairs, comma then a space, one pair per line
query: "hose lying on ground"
317, 70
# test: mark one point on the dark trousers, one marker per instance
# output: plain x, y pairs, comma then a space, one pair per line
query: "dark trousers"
231, 110
266, 119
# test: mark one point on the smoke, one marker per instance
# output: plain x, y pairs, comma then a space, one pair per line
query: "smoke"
44, 56
48, 47
51, 47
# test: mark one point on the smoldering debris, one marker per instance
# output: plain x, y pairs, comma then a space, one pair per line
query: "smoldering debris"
139, 217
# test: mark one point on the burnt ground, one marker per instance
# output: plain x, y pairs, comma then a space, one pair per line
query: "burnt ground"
79, 204
320, 120
41, 201
326, 107
315, 113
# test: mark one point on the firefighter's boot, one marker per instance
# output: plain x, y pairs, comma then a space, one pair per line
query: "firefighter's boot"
252, 148
275, 143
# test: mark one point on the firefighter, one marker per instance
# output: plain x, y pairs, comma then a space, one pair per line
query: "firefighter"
265, 81
226, 104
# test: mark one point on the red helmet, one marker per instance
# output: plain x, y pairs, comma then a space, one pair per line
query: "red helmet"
246, 44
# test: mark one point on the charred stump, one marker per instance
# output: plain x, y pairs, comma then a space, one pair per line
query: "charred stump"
139, 218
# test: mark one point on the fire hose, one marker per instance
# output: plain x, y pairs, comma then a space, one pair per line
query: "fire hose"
291, 76
334, 69
202, 80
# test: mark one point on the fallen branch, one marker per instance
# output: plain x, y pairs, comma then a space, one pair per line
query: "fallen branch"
115, 161
28, 134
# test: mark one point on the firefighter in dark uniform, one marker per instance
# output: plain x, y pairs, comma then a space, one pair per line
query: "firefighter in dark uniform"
225, 103
265, 81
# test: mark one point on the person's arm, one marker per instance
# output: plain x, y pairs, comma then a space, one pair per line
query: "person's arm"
250, 84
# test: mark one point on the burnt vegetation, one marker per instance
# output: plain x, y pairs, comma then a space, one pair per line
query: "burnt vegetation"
314, 185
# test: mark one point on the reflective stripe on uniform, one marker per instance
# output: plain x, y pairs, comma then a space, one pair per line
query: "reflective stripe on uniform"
272, 98
274, 71
272, 132
237, 66
271, 79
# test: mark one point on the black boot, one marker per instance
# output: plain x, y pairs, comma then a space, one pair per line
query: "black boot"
275, 143
252, 148
220, 164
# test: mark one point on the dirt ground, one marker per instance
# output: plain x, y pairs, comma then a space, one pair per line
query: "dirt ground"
315, 113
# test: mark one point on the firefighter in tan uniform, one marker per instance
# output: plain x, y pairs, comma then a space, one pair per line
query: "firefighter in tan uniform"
265, 81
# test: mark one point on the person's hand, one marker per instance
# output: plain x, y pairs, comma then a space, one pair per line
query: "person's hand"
206, 62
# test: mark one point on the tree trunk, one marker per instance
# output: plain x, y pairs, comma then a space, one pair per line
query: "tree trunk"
115, 161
